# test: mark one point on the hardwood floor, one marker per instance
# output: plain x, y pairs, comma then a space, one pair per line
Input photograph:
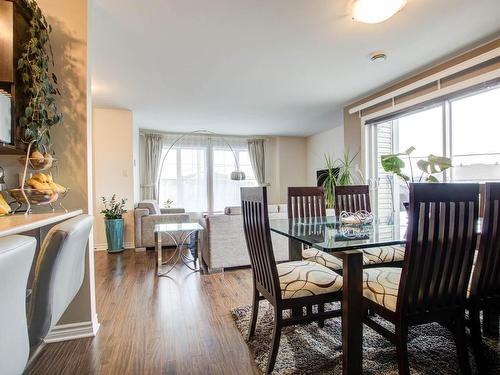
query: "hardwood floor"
149, 325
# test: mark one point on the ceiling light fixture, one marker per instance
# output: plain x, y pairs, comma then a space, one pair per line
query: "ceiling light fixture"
375, 11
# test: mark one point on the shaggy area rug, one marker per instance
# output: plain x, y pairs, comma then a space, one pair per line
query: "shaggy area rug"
308, 349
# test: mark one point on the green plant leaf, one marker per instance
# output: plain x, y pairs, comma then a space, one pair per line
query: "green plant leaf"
431, 178
409, 150
392, 163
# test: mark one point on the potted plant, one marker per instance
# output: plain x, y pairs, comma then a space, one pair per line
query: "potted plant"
39, 110
337, 173
428, 168
113, 213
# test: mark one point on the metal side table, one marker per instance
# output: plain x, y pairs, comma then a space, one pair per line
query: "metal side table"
179, 233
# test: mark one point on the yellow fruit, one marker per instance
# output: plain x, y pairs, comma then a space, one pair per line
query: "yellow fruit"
35, 184
56, 188
38, 156
42, 177
4, 207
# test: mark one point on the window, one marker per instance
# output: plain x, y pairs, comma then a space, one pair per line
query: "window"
475, 134
196, 175
226, 191
465, 129
184, 179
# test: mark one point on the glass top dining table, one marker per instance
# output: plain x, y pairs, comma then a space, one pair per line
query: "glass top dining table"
328, 234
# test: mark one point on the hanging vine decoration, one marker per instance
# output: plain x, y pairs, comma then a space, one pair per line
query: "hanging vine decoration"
38, 84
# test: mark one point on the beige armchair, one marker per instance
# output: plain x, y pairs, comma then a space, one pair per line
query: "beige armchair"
147, 214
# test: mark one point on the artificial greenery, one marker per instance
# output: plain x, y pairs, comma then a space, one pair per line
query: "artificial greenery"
339, 172
428, 167
38, 85
330, 175
168, 203
114, 208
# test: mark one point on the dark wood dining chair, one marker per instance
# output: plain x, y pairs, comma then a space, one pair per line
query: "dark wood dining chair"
287, 286
352, 198
356, 198
484, 290
307, 202
432, 284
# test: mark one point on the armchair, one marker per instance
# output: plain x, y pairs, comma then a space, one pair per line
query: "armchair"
147, 214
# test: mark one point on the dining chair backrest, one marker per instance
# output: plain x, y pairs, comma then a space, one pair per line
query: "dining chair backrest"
485, 284
307, 201
440, 248
258, 238
482, 199
352, 198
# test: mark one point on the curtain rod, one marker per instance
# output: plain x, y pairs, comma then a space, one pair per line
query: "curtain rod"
143, 132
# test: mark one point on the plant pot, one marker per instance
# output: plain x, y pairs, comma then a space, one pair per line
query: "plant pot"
114, 235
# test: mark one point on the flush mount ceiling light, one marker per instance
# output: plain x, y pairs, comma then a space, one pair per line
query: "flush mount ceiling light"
375, 11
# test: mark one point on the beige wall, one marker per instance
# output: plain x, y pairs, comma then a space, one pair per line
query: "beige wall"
72, 140
113, 145
291, 166
330, 142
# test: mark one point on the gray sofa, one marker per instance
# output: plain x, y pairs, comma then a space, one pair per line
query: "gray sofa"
223, 242
147, 214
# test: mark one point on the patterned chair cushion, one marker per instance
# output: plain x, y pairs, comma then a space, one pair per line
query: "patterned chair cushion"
303, 279
323, 258
376, 255
381, 285
384, 254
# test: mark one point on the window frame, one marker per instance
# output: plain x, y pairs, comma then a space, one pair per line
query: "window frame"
371, 140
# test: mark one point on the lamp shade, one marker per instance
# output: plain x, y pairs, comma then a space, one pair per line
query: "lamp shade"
375, 11
238, 175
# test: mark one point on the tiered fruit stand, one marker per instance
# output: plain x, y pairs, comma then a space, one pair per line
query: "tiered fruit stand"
36, 196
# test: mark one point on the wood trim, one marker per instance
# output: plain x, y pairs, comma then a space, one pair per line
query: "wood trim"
72, 331
486, 77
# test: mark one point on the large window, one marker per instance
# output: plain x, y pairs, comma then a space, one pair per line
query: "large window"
465, 129
196, 175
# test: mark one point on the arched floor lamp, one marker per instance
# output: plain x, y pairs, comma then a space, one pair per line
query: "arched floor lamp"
237, 175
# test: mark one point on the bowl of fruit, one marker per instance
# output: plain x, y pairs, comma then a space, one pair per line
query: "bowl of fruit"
39, 190
38, 161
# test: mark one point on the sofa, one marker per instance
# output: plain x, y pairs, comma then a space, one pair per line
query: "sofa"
223, 243
148, 213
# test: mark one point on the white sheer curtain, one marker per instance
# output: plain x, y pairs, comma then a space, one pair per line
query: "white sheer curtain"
258, 160
196, 172
184, 176
152, 159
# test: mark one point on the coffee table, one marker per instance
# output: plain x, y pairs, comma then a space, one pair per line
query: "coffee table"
179, 233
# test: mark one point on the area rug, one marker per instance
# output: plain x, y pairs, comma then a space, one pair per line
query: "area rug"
308, 349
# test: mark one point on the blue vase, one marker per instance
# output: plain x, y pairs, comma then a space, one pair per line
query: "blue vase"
114, 235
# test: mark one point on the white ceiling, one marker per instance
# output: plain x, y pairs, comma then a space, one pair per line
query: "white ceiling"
267, 67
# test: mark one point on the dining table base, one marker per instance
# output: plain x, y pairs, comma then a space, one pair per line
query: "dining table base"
352, 306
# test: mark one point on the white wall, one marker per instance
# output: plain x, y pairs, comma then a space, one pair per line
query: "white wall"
329, 142
113, 145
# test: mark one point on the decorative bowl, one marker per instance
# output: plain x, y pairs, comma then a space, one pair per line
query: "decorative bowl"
356, 218
37, 197
38, 164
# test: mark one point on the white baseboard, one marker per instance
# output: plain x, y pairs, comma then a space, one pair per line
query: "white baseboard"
104, 246
72, 331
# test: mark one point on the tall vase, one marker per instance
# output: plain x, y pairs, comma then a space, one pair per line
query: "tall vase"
114, 235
